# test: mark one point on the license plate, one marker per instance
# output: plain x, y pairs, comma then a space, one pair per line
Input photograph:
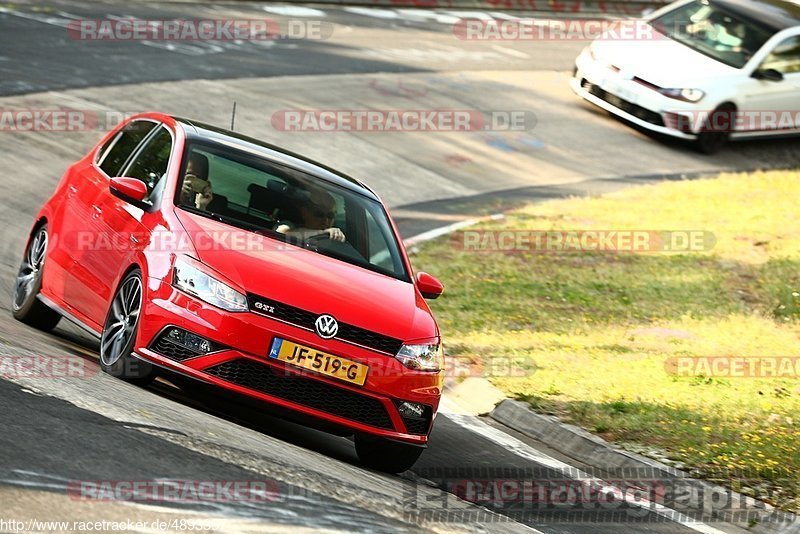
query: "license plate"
318, 361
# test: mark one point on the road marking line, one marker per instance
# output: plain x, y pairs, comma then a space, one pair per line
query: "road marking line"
510, 52
373, 12
450, 228
426, 14
294, 11
522, 449
61, 22
480, 15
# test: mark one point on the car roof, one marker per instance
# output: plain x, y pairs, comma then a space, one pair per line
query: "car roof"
206, 132
777, 15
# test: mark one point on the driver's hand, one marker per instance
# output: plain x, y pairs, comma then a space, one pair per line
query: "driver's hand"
187, 184
202, 200
335, 234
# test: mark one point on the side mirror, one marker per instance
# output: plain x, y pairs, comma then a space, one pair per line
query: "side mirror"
770, 75
128, 189
430, 287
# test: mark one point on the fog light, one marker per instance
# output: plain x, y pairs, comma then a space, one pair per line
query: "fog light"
412, 410
190, 341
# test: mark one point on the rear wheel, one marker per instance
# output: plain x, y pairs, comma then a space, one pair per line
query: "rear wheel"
119, 334
717, 130
385, 455
26, 307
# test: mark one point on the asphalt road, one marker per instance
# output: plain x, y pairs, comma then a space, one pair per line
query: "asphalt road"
97, 428
39, 55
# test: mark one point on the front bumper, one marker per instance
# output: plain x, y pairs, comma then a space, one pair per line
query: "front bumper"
631, 100
239, 363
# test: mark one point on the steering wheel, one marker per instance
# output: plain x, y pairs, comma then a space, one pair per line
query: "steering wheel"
319, 237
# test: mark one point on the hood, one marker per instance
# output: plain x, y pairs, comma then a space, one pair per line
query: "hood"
661, 61
309, 280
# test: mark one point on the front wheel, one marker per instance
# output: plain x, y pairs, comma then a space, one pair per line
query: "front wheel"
26, 307
716, 131
385, 455
119, 334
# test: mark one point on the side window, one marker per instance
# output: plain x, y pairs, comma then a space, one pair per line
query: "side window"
119, 149
785, 58
150, 164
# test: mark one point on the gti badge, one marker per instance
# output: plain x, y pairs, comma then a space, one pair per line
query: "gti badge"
326, 326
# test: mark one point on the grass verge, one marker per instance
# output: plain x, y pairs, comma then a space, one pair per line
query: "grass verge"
596, 331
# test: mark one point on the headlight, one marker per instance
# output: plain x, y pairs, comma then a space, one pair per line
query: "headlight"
689, 95
422, 357
192, 280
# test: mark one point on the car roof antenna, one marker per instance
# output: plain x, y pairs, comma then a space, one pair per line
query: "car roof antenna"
233, 115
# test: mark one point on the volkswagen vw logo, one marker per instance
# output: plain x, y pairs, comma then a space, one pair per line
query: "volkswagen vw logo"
326, 326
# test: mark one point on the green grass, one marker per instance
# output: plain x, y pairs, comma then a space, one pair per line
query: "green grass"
593, 330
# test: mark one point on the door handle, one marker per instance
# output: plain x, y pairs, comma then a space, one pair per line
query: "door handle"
71, 190
97, 211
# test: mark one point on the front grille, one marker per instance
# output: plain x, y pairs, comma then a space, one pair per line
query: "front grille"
306, 319
679, 122
629, 107
417, 426
301, 390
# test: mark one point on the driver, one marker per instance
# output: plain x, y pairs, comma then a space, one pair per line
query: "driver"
196, 189
317, 218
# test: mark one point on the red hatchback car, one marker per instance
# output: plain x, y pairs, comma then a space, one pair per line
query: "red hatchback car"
216, 257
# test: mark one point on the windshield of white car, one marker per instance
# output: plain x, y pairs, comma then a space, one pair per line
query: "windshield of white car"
714, 32
257, 195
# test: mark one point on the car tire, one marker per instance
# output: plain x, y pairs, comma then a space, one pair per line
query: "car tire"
119, 333
26, 307
385, 455
712, 139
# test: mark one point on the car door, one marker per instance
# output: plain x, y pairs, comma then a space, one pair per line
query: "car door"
84, 234
126, 221
772, 105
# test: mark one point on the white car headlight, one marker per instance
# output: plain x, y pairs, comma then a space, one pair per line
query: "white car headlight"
192, 280
689, 95
422, 357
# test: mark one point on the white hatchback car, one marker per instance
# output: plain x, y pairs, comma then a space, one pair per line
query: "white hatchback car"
708, 71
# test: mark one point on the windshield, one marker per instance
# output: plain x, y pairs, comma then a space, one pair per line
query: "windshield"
257, 195
713, 32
